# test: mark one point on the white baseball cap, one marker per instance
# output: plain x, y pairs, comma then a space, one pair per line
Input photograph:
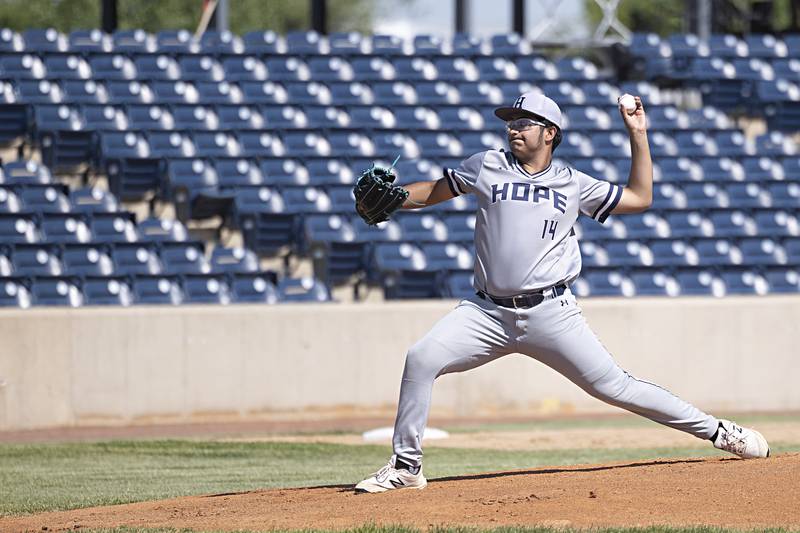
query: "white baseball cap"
532, 104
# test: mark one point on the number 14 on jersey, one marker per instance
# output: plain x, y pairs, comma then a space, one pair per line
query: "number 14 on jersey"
549, 228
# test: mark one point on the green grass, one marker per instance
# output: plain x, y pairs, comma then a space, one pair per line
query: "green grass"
41, 477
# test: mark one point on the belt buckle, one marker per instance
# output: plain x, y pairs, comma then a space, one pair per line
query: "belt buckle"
514, 300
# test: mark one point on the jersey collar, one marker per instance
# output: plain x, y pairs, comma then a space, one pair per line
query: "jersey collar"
516, 165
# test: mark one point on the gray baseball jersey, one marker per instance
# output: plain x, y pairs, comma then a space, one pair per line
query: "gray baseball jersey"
524, 239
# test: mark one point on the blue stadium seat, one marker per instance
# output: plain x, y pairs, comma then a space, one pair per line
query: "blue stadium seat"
162, 230
201, 68
776, 223
387, 45
65, 228
438, 145
593, 254
373, 68
90, 41
753, 69
263, 42
351, 93
305, 43
407, 117
394, 93
153, 290
22, 67
9, 201
762, 251
32, 260
305, 200
385, 232
133, 41
45, 40
330, 68
303, 290
288, 172
695, 144
235, 260
679, 169
184, 258
93, 199
628, 253
747, 195
267, 92
728, 46
601, 94
323, 228
646, 226
467, 44
462, 118
194, 117
422, 227
351, 143
57, 291
765, 46
721, 169
123, 144
39, 92
460, 227
699, 282
159, 67
689, 224
177, 42
53, 117
668, 196
428, 45
785, 195
260, 144
293, 117
730, 223
705, 196
717, 252
608, 283
114, 227
610, 145
792, 247
456, 69
104, 117
149, 117
459, 285
744, 281
782, 279
14, 293
174, 92
443, 257
347, 43
11, 41
171, 144
261, 216
235, 172
45, 199
775, 144
239, 117
414, 68
253, 288
479, 141
341, 197
650, 282
588, 117
67, 67
217, 144
244, 68
87, 260
134, 259
670, 253
762, 169
417, 169
579, 69
509, 44
733, 144
107, 291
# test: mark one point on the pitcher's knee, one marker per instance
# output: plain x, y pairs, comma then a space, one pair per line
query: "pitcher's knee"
611, 388
423, 361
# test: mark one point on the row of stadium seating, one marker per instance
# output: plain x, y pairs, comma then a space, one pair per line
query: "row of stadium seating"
311, 43
69, 291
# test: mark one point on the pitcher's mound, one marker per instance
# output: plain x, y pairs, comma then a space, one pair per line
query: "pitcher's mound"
726, 492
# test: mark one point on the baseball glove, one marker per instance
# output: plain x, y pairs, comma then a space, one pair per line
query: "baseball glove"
377, 197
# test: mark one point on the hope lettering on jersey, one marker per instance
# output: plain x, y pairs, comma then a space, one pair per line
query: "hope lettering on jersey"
524, 192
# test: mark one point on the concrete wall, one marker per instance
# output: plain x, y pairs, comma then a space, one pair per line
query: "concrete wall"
117, 366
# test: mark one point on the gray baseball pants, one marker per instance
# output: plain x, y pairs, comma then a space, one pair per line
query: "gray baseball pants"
553, 332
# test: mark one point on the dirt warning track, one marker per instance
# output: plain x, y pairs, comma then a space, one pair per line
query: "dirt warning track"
725, 492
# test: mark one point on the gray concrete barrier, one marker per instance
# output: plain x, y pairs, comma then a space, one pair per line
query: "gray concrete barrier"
67, 367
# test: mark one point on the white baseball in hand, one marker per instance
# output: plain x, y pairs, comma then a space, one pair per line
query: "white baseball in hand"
628, 102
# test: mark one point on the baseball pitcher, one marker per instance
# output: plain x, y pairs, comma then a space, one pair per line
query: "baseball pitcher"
526, 257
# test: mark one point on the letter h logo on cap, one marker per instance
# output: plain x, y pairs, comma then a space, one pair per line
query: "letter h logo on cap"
519, 101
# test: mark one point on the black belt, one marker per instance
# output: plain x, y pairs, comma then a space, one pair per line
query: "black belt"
523, 301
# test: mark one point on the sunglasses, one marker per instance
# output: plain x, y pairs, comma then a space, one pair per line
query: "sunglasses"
524, 124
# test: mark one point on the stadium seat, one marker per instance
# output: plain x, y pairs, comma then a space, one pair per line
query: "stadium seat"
233, 261
744, 281
672, 253
177, 42
762, 252
689, 224
171, 144
57, 291
65, 229
347, 43
628, 254
239, 117
14, 293
280, 172
184, 258
44, 199
161, 230
263, 42
196, 68
9, 201
159, 67
92, 200
705, 196
304, 289
447, 256
86, 260
22, 67
783, 280
700, 282
233, 172
785, 195
134, 259
114, 227
194, 117
206, 289
608, 283
422, 227
107, 291
133, 41
716, 252
732, 223
253, 288
649, 282
90, 41
157, 290
36, 260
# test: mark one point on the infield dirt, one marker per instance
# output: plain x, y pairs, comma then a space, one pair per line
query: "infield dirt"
725, 492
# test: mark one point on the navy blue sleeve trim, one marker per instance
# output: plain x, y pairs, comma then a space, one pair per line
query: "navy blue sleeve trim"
452, 174
611, 207
449, 183
600, 207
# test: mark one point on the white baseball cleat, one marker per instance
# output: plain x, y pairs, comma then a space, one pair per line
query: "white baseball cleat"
744, 442
389, 478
